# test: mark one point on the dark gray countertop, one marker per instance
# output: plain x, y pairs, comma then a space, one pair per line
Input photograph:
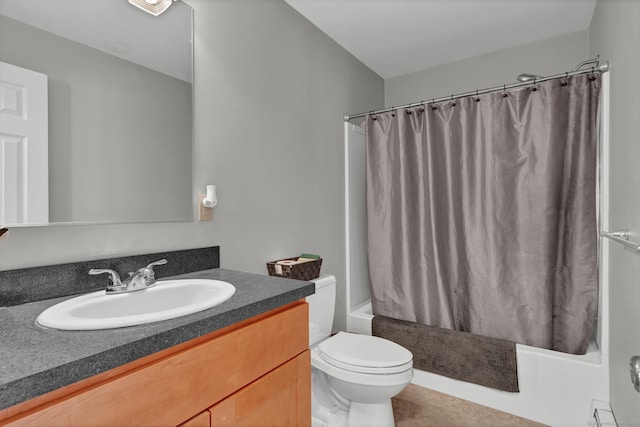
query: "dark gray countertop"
36, 360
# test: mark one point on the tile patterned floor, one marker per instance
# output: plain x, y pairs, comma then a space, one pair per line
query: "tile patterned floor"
421, 407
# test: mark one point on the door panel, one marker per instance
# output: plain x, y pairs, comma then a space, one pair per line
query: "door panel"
24, 152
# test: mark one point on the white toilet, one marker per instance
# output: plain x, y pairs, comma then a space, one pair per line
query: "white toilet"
354, 376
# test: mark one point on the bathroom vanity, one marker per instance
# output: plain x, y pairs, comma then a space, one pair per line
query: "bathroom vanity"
245, 362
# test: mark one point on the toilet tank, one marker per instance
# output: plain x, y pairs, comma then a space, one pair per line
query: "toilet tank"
321, 308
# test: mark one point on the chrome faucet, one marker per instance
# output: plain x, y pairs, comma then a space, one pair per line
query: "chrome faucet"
142, 279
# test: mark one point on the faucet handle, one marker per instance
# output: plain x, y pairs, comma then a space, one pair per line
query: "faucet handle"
115, 278
159, 262
148, 270
146, 274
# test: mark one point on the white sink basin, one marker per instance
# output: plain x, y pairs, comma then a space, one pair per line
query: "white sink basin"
167, 300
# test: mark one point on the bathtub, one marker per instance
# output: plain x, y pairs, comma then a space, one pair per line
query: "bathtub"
556, 389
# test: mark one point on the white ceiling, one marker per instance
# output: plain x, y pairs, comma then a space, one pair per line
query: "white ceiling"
397, 37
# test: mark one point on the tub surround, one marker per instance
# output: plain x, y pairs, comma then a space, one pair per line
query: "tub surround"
52, 281
41, 360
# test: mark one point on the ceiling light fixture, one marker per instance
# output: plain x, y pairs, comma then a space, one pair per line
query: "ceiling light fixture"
154, 7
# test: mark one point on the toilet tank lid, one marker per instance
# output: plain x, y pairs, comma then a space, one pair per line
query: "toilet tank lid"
324, 280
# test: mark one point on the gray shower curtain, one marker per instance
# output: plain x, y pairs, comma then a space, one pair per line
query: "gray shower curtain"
481, 213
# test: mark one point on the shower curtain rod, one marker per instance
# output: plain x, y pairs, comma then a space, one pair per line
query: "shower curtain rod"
599, 69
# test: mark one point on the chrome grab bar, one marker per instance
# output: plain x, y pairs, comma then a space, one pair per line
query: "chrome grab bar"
622, 237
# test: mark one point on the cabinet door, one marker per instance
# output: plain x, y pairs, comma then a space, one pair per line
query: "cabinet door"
281, 398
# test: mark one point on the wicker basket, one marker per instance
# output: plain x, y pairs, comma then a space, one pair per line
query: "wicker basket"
304, 271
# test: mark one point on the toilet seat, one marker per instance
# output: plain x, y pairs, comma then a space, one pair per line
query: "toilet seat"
365, 354
362, 378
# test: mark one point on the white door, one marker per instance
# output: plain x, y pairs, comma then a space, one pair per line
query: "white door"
24, 152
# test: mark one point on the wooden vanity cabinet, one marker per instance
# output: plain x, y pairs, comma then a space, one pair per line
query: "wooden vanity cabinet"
272, 400
255, 373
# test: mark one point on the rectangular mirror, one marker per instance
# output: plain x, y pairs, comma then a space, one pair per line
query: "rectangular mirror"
119, 86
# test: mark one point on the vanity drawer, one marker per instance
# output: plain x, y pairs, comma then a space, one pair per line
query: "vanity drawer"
175, 387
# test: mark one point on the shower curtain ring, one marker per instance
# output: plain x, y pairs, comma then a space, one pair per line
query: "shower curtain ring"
433, 104
534, 88
477, 96
504, 90
393, 111
373, 117
566, 79
453, 103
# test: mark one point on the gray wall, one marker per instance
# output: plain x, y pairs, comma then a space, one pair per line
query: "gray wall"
270, 93
544, 58
271, 90
119, 133
615, 34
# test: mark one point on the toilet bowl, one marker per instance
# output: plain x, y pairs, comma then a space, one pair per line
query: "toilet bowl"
354, 376
366, 371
